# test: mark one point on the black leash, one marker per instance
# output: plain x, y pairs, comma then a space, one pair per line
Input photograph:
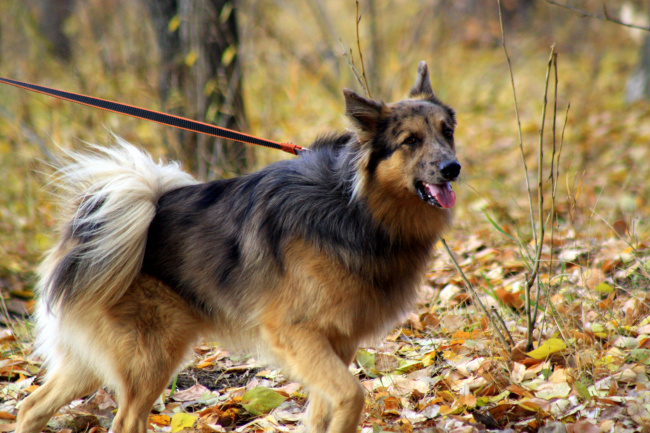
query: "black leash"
156, 116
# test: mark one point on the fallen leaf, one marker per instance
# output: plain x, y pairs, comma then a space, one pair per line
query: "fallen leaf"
161, 420
547, 348
181, 421
192, 393
288, 412
603, 288
510, 299
582, 427
553, 390
592, 278
261, 400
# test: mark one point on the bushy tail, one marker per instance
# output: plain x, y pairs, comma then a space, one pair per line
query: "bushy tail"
107, 198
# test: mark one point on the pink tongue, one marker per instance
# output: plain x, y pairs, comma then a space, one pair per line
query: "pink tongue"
443, 193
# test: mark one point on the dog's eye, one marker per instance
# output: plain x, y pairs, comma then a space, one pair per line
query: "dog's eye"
448, 133
410, 140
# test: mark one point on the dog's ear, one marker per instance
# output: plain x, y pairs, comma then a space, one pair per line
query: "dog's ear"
422, 85
364, 113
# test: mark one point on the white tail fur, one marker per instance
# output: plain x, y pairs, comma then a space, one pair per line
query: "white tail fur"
108, 198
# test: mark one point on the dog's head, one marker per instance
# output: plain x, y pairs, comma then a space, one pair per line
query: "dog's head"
407, 147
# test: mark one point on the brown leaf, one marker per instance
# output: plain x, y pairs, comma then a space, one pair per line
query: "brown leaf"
592, 277
510, 299
518, 390
392, 406
582, 427
385, 362
404, 425
195, 392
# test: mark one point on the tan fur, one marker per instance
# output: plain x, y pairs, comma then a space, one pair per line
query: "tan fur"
308, 311
140, 341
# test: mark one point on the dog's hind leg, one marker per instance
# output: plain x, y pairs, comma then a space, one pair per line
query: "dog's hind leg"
69, 382
150, 330
310, 357
318, 413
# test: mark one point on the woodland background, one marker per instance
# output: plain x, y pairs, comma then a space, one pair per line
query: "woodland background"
275, 68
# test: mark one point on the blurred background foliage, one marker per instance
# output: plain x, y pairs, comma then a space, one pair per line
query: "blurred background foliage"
275, 68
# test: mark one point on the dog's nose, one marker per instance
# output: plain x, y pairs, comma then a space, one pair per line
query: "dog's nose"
450, 169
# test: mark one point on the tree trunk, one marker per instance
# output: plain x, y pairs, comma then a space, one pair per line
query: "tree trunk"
199, 44
52, 16
638, 86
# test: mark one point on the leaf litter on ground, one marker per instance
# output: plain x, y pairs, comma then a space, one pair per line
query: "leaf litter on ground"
441, 370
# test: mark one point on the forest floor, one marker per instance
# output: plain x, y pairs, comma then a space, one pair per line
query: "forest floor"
441, 369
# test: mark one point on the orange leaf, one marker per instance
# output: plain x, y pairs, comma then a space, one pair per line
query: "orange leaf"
516, 389
161, 420
468, 400
508, 298
445, 410
392, 406
32, 388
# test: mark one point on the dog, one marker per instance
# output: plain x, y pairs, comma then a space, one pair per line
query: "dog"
300, 262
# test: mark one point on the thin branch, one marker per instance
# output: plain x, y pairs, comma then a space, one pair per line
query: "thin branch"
540, 195
475, 296
503, 324
521, 140
607, 16
363, 68
553, 178
531, 312
349, 57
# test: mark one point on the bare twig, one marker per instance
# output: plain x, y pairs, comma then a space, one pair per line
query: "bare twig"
521, 140
503, 324
555, 167
363, 68
540, 192
475, 296
349, 57
607, 16
531, 311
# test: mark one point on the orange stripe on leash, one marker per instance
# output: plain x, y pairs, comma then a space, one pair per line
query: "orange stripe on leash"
155, 116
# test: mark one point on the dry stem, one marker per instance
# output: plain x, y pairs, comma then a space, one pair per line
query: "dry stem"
475, 296
521, 140
607, 17
363, 68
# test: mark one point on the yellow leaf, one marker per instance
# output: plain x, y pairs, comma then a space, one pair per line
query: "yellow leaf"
228, 54
549, 347
181, 421
429, 359
604, 288
174, 23
191, 58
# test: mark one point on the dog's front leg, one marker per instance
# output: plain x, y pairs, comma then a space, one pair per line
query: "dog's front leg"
310, 357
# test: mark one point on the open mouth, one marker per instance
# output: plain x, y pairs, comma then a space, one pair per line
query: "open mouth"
436, 195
